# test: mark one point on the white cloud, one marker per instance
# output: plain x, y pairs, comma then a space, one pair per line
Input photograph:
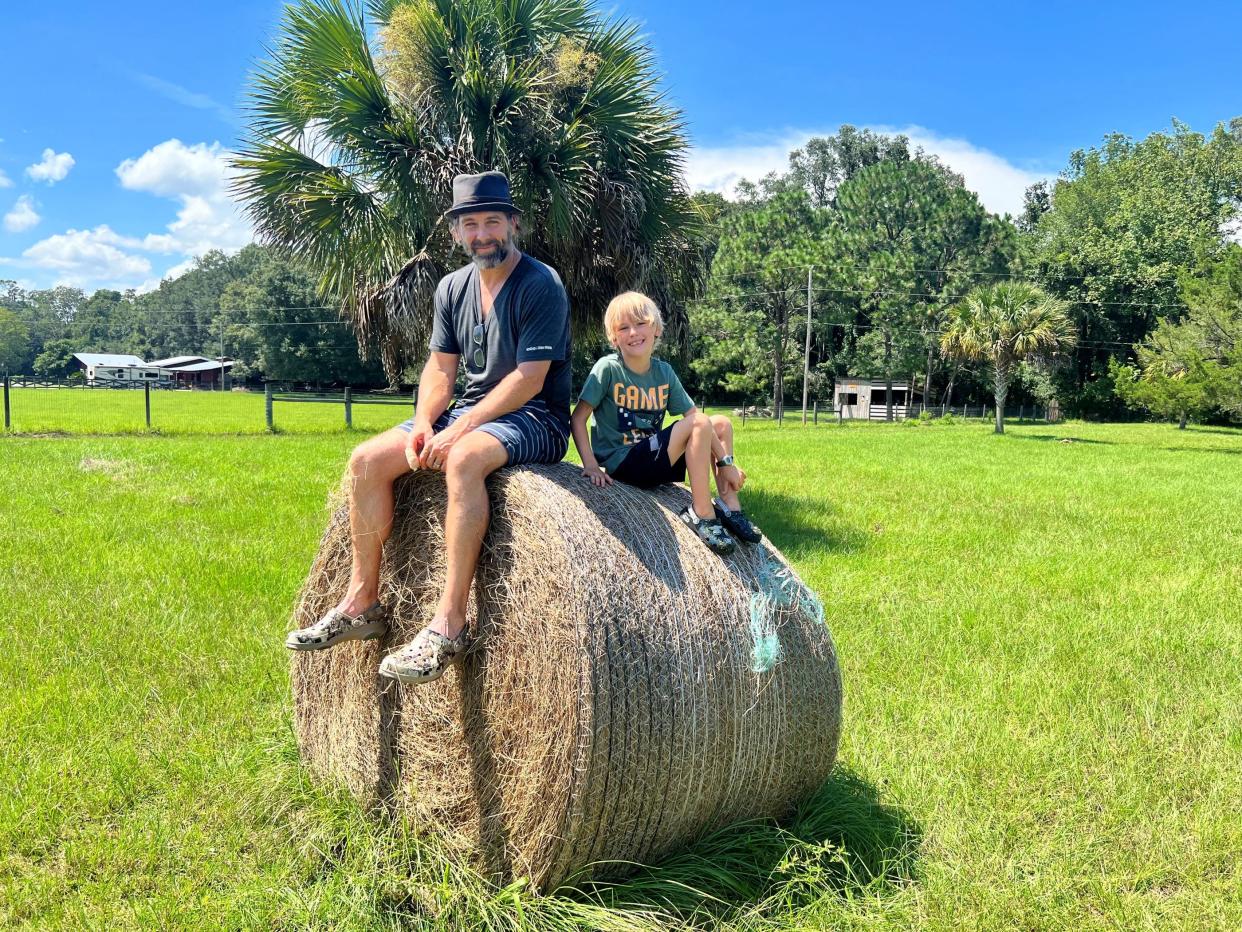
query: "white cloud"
197, 177
53, 167
23, 216
999, 183
89, 258
5, 181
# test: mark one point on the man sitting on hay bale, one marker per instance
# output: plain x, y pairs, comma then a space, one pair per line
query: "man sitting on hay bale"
508, 314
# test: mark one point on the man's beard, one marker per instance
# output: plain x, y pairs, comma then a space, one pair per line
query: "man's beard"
491, 259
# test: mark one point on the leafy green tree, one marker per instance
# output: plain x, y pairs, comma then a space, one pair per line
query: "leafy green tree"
1004, 324
1191, 366
352, 147
1126, 219
277, 331
183, 316
56, 360
14, 342
824, 163
757, 290
907, 237
1036, 201
1181, 386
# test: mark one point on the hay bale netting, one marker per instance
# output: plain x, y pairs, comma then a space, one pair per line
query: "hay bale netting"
608, 710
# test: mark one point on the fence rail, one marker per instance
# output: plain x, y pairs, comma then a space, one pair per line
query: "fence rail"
346, 398
79, 407
59, 406
879, 412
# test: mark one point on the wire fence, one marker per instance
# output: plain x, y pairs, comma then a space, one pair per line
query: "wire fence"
824, 412
38, 406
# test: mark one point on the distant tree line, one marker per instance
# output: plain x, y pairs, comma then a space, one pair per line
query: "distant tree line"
1117, 290
1127, 253
257, 307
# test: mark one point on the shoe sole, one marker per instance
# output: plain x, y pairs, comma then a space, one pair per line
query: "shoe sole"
723, 552
363, 633
413, 679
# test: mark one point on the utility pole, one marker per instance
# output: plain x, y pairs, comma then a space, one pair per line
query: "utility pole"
806, 357
222, 353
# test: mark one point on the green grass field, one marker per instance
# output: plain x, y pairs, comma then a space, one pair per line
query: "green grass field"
1040, 642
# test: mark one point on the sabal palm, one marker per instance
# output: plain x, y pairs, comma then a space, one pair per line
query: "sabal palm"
1004, 324
352, 149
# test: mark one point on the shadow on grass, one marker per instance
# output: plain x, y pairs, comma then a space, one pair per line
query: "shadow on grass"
1226, 451
844, 841
1059, 437
802, 526
1227, 431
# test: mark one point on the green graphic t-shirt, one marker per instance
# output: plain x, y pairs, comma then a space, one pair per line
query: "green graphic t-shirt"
629, 407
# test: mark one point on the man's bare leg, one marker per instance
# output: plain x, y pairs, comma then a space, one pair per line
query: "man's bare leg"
373, 467
472, 459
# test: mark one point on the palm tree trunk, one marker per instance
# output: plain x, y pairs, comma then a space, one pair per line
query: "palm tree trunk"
1001, 390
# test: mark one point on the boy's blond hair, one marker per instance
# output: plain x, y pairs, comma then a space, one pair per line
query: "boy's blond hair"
632, 306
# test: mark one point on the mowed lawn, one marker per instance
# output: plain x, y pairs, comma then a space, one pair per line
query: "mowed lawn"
1041, 644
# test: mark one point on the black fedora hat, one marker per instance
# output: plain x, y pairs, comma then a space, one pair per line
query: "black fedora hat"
488, 191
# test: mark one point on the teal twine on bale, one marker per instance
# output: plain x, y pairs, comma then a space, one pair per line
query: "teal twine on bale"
778, 589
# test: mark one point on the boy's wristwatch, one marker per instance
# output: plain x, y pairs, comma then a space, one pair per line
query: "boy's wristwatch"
725, 461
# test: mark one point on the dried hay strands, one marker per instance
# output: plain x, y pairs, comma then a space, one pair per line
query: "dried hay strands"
609, 710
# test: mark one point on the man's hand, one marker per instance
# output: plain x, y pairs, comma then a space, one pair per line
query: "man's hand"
420, 434
597, 475
436, 450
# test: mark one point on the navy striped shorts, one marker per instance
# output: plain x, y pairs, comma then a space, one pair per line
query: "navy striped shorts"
529, 435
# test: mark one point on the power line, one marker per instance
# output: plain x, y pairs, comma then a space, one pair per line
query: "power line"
1020, 276
890, 292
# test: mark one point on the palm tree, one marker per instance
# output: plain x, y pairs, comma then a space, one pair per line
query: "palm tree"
351, 151
1004, 324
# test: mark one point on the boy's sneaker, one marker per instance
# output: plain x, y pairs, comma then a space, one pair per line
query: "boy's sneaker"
736, 523
708, 530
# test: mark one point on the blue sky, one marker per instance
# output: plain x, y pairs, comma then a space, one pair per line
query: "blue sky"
116, 121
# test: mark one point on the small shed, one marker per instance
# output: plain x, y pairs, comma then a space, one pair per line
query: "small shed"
864, 399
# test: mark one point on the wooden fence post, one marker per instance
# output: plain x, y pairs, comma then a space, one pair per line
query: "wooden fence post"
816, 421
349, 407
146, 391
267, 403
8, 420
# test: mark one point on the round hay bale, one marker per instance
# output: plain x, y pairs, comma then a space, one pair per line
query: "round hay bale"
608, 710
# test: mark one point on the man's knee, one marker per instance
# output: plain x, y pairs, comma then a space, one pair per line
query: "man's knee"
379, 459
362, 461
474, 462
722, 425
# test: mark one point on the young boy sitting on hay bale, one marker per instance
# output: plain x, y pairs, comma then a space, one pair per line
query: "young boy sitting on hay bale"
629, 392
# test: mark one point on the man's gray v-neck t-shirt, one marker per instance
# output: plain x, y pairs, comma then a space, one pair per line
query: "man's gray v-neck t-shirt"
529, 322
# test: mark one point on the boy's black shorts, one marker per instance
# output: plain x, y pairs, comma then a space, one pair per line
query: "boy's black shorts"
647, 464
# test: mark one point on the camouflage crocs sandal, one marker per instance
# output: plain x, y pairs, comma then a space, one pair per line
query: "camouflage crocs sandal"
425, 658
336, 626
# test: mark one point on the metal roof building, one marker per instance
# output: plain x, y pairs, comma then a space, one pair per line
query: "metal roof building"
108, 359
